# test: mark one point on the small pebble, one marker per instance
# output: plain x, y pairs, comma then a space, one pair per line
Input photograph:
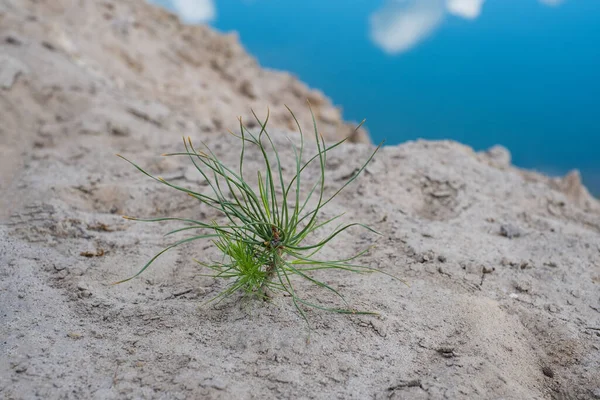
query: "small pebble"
553, 308
487, 270
13, 39
510, 231
74, 335
525, 265
548, 371
20, 368
523, 286
59, 267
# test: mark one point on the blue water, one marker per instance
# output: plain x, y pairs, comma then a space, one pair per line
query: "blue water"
521, 73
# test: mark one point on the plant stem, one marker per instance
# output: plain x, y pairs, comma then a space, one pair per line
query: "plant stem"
271, 269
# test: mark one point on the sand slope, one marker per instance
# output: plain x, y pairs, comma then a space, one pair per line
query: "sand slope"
503, 264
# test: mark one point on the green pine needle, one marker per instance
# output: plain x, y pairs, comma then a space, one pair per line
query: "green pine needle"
264, 241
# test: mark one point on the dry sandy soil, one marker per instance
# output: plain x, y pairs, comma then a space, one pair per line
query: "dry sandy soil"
503, 264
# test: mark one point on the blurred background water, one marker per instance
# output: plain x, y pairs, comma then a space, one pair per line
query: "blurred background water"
521, 73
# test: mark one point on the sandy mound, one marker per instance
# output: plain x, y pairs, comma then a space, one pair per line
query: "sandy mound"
503, 265
117, 68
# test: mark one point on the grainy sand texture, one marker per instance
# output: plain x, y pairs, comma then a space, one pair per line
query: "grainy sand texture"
503, 265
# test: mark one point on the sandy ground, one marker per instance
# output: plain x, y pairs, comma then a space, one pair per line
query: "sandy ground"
503, 264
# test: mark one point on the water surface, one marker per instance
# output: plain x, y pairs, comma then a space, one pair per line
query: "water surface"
521, 73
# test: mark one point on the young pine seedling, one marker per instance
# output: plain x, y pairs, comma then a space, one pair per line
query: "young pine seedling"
264, 239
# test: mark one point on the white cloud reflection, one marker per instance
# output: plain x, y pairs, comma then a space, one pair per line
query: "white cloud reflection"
195, 11
469, 9
400, 25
